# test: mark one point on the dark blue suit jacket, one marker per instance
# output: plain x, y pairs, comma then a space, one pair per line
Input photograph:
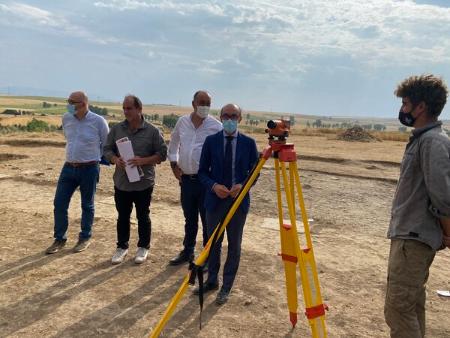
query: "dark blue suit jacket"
211, 165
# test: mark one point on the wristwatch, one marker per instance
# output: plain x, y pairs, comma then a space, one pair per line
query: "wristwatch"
173, 164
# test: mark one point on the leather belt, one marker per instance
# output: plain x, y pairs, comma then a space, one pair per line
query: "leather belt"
81, 164
190, 177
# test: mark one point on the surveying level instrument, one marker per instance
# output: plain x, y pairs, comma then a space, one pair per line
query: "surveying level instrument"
291, 252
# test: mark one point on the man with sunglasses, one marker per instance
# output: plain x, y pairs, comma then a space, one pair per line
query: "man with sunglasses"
226, 161
86, 134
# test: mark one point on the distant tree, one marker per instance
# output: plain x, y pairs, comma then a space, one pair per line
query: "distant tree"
292, 120
317, 123
402, 129
98, 110
308, 124
46, 105
11, 112
379, 127
170, 120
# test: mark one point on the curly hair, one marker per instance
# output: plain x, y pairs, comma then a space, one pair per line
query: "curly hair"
427, 88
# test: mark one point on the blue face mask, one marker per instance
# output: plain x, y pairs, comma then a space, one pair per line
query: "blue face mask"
71, 109
230, 126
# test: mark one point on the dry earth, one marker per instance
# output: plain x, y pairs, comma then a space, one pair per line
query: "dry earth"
348, 188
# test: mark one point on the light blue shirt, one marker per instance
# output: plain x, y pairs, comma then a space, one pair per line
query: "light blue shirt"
85, 137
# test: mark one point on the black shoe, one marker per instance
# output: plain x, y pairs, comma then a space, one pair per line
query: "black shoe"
222, 296
206, 288
181, 258
56, 246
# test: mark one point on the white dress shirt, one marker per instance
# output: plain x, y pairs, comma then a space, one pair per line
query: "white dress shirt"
186, 142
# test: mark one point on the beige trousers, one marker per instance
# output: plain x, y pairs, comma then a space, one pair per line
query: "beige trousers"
408, 269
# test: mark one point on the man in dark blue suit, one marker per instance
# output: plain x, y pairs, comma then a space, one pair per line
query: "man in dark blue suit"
226, 161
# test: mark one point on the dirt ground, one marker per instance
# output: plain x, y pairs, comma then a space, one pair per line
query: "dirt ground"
348, 188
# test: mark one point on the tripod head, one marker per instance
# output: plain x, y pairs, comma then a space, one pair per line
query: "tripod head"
278, 130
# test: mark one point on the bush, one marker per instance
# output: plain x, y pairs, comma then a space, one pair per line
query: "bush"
170, 120
38, 126
98, 110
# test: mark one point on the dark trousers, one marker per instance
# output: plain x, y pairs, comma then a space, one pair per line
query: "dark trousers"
234, 232
124, 205
86, 178
192, 198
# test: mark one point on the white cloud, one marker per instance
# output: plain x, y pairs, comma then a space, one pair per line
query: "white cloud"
34, 14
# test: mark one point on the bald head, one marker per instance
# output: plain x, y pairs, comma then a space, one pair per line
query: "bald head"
231, 109
201, 98
78, 96
80, 100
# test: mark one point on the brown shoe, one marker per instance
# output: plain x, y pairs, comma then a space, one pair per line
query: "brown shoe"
82, 245
55, 247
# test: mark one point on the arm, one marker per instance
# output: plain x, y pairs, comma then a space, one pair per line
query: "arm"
253, 159
445, 223
204, 166
104, 130
110, 150
158, 156
435, 163
174, 146
204, 171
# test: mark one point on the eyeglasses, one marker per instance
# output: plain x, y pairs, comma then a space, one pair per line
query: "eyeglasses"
69, 101
229, 117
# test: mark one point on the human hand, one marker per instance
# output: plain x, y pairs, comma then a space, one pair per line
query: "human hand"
221, 190
119, 162
137, 161
234, 191
446, 241
177, 172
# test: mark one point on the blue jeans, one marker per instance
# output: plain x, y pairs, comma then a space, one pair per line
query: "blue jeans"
69, 180
192, 199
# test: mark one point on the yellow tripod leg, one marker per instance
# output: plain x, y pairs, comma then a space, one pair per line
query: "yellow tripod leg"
204, 254
315, 309
288, 254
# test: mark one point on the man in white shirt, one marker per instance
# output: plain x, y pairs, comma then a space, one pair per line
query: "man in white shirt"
185, 148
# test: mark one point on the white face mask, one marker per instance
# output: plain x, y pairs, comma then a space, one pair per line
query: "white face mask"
202, 111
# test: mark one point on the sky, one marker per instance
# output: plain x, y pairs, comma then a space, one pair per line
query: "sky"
314, 57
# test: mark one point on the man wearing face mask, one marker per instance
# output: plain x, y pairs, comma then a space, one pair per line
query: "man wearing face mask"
420, 221
86, 134
185, 147
226, 161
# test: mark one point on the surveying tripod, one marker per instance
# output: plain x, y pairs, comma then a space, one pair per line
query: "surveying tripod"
291, 252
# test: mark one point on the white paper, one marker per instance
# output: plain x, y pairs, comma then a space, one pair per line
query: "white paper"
126, 152
443, 293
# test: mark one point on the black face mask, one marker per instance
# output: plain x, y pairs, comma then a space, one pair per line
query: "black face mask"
406, 118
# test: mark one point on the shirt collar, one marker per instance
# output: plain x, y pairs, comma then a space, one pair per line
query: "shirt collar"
419, 131
235, 134
125, 124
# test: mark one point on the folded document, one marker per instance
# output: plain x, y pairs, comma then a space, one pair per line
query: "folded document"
126, 152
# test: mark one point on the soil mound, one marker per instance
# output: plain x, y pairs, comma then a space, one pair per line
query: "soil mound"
358, 134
